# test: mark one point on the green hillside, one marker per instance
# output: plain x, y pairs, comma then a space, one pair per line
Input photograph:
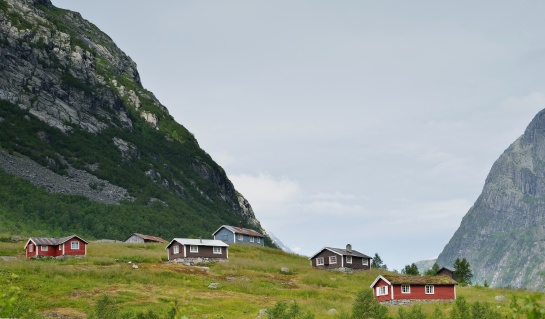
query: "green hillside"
251, 280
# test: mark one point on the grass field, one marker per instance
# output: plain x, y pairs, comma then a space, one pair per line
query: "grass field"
251, 280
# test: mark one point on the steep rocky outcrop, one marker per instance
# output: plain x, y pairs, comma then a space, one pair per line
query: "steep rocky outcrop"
75, 120
503, 234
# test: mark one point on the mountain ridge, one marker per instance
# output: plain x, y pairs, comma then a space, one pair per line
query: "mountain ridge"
502, 234
76, 120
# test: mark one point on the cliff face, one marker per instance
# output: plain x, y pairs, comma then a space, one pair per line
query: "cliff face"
503, 234
75, 120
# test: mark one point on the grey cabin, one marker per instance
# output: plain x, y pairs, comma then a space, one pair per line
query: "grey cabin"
238, 235
337, 258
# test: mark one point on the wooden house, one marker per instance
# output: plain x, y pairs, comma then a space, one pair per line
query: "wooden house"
56, 247
445, 272
202, 249
239, 235
388, 288
337, 258
141, 239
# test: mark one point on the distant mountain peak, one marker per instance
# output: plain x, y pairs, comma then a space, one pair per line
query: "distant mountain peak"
502, 234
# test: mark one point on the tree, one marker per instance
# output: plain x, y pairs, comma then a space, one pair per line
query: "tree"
462, 271
365, 306
433, 270
411, 270
377, 262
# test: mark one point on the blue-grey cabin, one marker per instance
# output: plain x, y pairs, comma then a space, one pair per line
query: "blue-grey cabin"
238, 235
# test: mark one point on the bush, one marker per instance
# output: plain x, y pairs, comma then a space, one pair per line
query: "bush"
284, 311
365, 306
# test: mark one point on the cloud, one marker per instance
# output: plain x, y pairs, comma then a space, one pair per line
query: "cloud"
265, 191
332, 196
532, 101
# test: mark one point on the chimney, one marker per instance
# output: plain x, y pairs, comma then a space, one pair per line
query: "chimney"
348, 248
200, 238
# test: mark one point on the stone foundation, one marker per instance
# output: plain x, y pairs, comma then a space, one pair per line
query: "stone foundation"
196, 260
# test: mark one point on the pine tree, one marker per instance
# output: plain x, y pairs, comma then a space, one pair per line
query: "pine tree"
462, 271
433, 270
411, 270
365, 306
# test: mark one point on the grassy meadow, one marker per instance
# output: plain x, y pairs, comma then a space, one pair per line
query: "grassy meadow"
251, 280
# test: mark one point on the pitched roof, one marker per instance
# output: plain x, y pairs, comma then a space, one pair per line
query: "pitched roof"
343, 252
415, 280
51, 241
198, 242
239, 230
148, 237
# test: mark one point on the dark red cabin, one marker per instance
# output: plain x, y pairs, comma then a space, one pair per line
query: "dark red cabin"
56, 247
397, 287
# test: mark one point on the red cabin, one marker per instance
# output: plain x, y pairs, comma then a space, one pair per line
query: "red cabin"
56, 247
396, 287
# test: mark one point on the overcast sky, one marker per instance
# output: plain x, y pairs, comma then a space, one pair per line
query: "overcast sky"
373, 123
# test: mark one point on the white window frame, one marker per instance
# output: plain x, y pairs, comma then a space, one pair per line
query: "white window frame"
44, 247
320, 261
258, 240
216, 250
240, 237
382, 290
176, 249
430, 290
74, 245
252, 239
405, 289
193, 248
348, 259
332, 259
365, 261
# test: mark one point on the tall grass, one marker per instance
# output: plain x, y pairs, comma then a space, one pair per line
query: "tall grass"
251, 280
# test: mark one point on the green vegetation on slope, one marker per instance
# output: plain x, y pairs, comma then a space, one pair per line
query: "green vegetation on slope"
250, 281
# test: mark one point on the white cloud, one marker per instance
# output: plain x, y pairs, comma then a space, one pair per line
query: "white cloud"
265, 191
333, 196
532, 101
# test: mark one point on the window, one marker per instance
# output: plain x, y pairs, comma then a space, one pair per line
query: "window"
240, 237
365, 261
348, 259
320, 261
332, 259
429, 289
74, 244
176, 249
217, 250
258, 240
251, 239
30, 248
43, 247
381, 291
405, 289
193, 249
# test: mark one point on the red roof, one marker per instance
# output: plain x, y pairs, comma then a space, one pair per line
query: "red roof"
148, 237
239, 230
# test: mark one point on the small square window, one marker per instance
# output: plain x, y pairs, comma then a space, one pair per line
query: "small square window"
176, 249
348, 259
74, 244
193, 249
405, 289
31, 248
381, 291
258, 240
332, 259
240, 237
320, 261
217, 250
429, 290
365, 262
44, 247
252, 239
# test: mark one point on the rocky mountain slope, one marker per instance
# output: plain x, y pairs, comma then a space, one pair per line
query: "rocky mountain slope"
89, 149
503, 234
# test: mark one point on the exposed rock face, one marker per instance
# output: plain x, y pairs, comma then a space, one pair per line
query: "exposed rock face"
63, 71
503, 234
